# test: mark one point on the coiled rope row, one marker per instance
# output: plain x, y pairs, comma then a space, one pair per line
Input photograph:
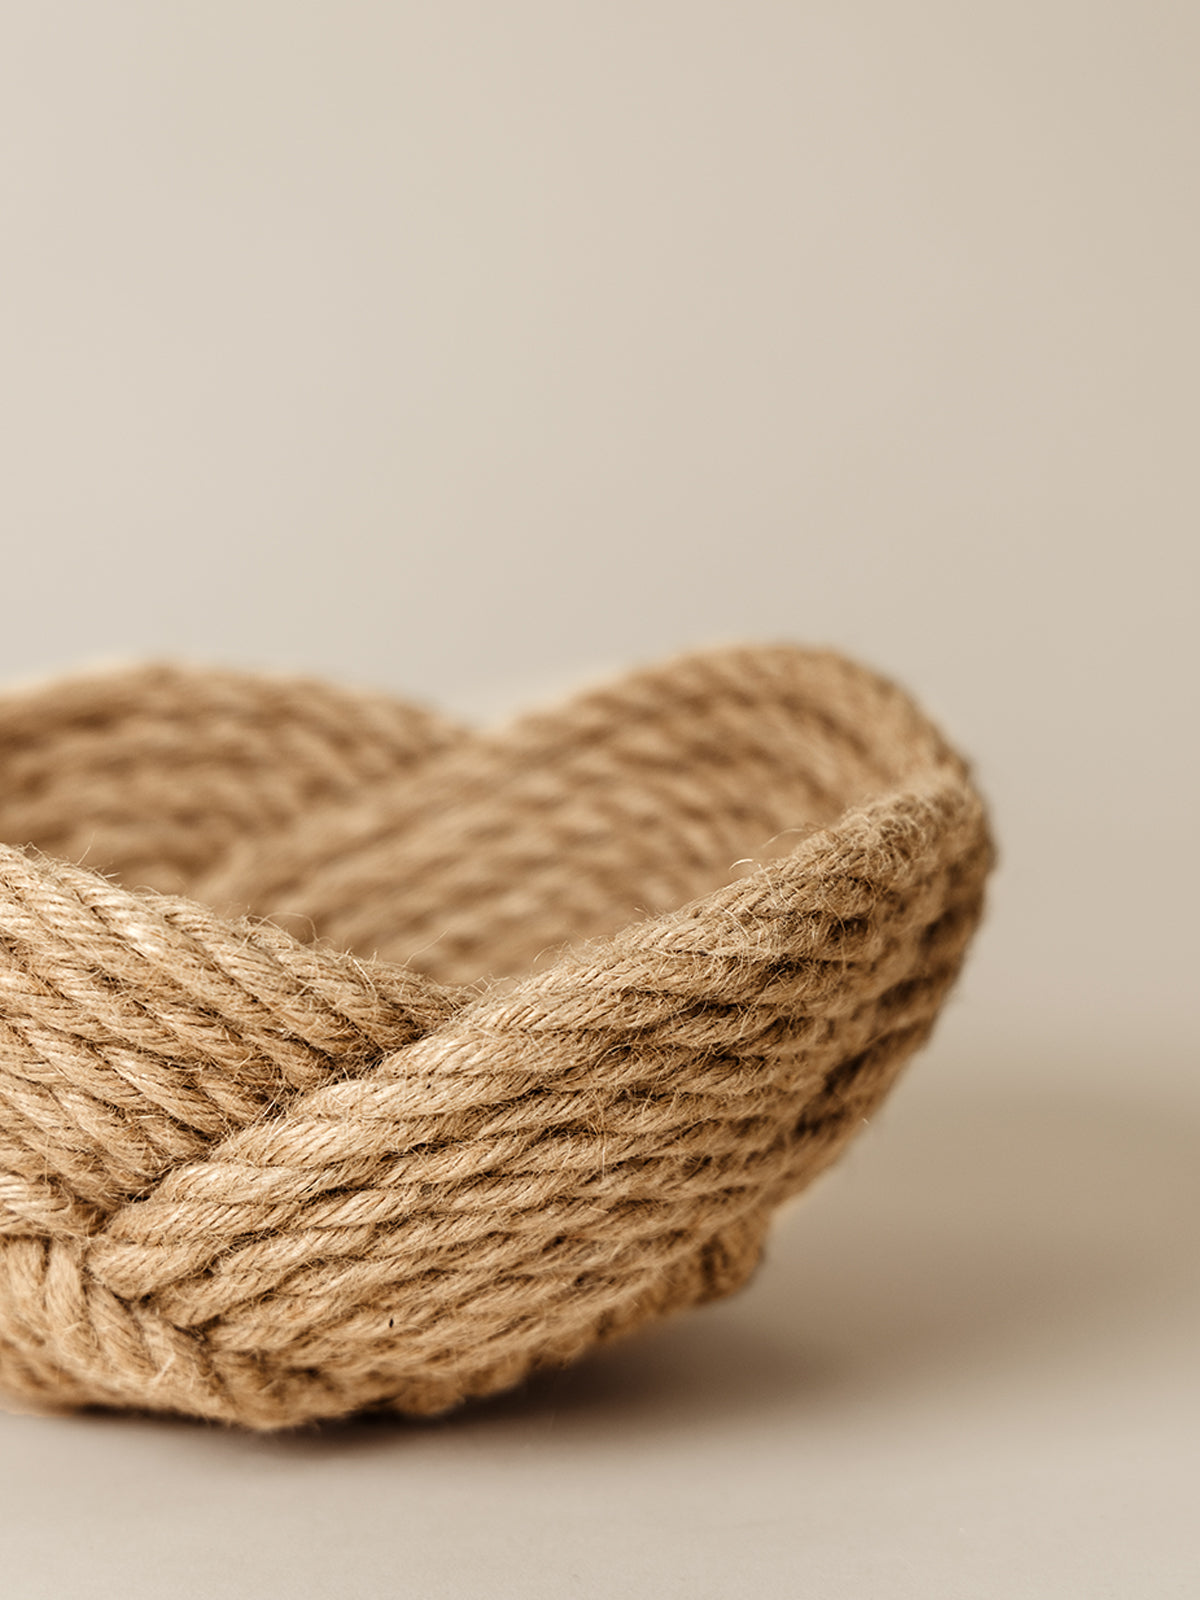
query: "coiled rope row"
544, 1025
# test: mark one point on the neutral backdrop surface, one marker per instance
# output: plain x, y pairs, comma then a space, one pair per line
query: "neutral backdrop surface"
474, 350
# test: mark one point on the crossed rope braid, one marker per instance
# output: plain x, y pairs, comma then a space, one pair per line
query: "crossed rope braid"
545, 1024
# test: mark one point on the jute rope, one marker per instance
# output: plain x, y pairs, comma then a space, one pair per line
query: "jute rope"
543, 1027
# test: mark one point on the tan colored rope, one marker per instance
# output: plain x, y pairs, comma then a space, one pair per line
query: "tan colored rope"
544, 1025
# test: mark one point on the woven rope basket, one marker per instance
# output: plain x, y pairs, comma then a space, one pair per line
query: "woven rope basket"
544, 1025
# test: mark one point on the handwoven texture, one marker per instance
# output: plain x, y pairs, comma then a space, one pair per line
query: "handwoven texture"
352, 1059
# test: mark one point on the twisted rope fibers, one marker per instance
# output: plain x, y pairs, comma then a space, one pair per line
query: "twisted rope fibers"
544, 1025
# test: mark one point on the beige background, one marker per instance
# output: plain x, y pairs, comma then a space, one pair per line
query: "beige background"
475, 349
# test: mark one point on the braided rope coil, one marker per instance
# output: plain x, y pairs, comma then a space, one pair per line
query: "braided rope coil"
545, 1023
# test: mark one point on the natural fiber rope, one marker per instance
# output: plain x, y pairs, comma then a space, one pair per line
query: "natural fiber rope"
545, 1024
